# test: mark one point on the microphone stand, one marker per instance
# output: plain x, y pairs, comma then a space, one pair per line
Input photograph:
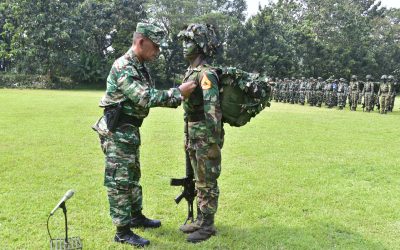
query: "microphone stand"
64, 208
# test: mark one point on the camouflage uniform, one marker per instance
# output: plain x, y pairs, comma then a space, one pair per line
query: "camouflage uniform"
319, 94
204, 132
341, 101
276, 90
384, 95
302, 90
128, 83
328, 92
354, 93
368, 93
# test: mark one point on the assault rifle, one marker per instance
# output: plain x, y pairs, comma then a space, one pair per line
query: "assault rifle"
188, 184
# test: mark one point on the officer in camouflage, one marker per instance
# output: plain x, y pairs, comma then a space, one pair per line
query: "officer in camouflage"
384, 94
368, 93
204, 131
354, 92
131, 93
341, 101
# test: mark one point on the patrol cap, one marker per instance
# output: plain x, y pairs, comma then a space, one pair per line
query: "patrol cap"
153, 32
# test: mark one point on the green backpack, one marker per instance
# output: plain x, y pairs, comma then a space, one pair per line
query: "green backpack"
243, 95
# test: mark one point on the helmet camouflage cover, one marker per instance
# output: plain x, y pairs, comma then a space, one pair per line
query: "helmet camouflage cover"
203, 35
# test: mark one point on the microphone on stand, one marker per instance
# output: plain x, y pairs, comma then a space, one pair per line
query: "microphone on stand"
67, 195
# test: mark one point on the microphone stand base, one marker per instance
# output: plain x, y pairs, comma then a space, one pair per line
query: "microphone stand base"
73, 243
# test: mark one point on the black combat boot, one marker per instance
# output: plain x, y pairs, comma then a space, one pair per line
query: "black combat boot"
124, 235
205, 231
139, 220
191, 227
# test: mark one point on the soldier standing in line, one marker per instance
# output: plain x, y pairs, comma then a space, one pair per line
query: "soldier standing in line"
384, 94
319, 88
302, 89
129, 96
204, 131
285, 90
354, 93
328, 93
340, 93
291, 90
346, 92
334, 92
368, 93
296, 90
276, 89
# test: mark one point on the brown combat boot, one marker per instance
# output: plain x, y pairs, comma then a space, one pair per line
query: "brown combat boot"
205, 231
191, 227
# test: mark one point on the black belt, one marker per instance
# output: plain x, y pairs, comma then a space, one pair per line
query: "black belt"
128, 119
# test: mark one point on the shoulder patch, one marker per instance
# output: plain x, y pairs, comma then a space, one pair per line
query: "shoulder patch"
205, 82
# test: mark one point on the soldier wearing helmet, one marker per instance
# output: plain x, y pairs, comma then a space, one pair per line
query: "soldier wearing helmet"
368, 94
384, 94
204, 132
319, 91
341, 101
302, 90
354, 91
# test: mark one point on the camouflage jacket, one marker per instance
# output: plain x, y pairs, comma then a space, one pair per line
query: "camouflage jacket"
129, 82
202, 108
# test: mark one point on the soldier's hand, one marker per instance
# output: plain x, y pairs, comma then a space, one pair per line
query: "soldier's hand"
187, 88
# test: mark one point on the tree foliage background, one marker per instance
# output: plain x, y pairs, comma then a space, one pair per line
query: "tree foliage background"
80, 39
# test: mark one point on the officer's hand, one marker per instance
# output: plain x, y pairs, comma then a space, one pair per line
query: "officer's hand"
187, 88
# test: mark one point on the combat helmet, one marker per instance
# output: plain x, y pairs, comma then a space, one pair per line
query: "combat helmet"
368, 77
384, 77
354, 77
391, 78
203, 35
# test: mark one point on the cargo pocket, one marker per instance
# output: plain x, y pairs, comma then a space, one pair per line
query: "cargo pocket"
116, 175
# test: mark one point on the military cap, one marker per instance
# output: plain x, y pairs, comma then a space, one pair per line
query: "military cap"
153, 32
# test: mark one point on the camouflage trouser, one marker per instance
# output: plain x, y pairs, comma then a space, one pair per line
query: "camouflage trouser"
122, 173
341, 101
369, 102
206, 162
276, 95
384, 100
354, 100
359, 98
302, 97
319, 96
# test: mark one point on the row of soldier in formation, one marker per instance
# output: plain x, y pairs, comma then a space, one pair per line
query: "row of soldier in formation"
335, 92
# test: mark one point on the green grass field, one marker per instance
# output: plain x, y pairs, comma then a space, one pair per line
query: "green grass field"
294, 178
